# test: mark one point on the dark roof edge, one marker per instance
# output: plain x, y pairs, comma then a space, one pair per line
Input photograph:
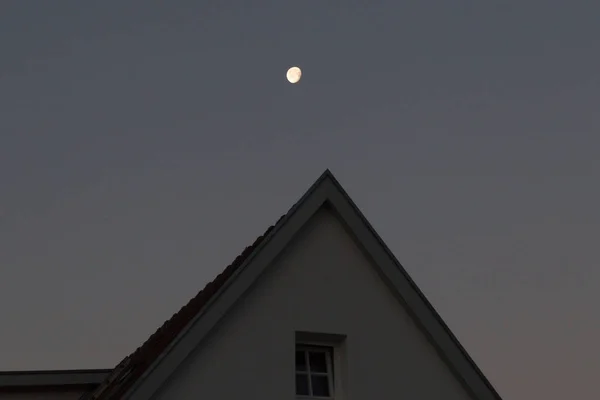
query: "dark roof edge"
53, 377
247, 260
417, 290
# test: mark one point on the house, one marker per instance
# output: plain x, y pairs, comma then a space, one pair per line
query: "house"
316, 307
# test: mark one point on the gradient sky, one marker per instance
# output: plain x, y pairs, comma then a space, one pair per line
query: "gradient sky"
143, 146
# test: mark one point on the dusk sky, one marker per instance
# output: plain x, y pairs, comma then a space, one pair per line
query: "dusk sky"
143, 146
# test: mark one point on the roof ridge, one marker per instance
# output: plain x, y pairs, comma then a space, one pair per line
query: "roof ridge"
135, 364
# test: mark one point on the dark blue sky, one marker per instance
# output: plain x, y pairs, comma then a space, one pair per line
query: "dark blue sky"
143, 146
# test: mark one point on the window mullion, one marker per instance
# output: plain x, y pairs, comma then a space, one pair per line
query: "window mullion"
329, 363
310, 391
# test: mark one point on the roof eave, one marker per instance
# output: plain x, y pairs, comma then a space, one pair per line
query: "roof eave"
15, 379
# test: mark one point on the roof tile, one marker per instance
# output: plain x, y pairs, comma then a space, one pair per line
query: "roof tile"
134, 365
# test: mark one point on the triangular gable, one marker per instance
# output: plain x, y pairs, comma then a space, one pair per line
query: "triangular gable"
325, 192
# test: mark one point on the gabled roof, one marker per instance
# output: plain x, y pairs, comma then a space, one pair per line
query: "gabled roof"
134, 365
142, 373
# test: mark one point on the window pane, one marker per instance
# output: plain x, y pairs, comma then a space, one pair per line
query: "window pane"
318, 362
302, 385
320, 385
300, 361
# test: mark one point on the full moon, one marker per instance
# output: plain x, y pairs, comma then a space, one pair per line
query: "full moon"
294, 74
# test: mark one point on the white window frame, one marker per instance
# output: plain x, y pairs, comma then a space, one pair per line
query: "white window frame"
329, 351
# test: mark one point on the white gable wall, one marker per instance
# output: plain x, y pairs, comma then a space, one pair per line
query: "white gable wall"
322, 283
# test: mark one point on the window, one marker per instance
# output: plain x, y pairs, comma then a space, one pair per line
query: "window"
314, 371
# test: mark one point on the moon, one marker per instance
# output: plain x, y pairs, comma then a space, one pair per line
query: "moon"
294, 74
